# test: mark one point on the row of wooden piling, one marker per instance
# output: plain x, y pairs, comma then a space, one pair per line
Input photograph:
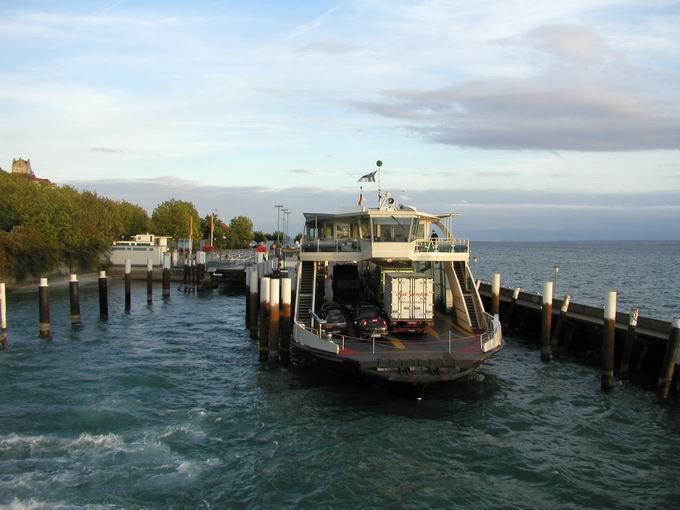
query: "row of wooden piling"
194, 275
549, 335
44, 329
268, 310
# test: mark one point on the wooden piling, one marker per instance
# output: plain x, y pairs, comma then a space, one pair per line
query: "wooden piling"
103, 297
631, 335
671, 359
149, 281
511, 309
128, 285
44, 309
608, 341
496, 294
561, 319
264, 318
253, 300
274, 313
286, 298
185, 277
74, 299
546, 323
166, 276
4, 337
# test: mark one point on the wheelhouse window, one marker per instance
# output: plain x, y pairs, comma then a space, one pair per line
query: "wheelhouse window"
343, 230
392, 229
365, 224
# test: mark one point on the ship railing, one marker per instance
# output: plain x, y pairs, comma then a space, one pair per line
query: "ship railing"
329, 245
443, 245
493, 336
446, 344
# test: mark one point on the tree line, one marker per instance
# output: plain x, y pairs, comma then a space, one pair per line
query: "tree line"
45, 228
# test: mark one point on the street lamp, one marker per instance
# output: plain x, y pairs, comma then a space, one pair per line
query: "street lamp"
278, 213
286, 214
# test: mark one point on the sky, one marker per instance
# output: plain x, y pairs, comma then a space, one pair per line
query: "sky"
534, 119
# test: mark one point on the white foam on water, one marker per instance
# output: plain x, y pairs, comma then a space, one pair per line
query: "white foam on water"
181, 430
33, 504
15, 442
97, 442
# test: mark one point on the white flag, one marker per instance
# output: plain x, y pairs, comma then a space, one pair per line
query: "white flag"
368, 177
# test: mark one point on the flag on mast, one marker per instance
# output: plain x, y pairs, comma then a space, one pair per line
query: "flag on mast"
362, 200
368, 177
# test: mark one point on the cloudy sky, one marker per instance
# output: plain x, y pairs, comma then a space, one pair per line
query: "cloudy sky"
536, 119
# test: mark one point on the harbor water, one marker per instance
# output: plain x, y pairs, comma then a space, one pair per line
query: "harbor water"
168, 407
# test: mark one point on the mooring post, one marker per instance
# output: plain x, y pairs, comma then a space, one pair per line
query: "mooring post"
166, 276
286, 295
511, 309
608, 341
193, 275
128, 285
4, 340
44, 308
671, 358
103, 297
496, 294
247, 315
631, 335
274, 312
561, 319
74, 298
253, 300
185, 277
149, 281
546, 322
264, 318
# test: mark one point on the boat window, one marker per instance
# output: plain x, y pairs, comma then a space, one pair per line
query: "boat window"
365, 224
343, 230
392, 229
418, 231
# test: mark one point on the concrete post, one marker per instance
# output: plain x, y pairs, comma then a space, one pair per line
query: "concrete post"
608, 341
671, 359
103, 297
149, 281
264, 318
286, 299
631, 335
546, 323
74, 299
4, 341
247, 315
274, 300
44, 309
496, 294
166, 275
128, 285
253, 300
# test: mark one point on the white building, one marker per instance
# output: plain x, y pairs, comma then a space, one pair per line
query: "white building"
139, 249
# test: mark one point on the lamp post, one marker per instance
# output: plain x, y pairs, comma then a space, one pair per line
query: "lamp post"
286, 214
278, 214
557, 270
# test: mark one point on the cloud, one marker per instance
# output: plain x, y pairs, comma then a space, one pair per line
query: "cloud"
572, 43
533, 114
313, 24
332, 48
108, 150
300, 171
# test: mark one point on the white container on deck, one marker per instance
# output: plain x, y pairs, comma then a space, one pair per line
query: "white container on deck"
409, 296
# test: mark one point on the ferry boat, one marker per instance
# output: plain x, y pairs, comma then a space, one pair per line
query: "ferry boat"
406, 264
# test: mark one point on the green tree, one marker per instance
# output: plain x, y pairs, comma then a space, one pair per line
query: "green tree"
240, 232
173, 217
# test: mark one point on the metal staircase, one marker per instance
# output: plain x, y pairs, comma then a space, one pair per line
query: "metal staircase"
306, 294
465, 282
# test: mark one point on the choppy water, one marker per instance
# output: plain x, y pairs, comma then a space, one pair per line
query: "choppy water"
644, 273
168, 407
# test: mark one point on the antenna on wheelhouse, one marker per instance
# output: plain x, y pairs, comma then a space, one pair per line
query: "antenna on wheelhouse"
379, 165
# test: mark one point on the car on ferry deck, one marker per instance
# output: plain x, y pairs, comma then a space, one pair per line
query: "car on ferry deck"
368, 321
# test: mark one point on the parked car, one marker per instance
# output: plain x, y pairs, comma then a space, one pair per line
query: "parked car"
368, 321
335, 320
